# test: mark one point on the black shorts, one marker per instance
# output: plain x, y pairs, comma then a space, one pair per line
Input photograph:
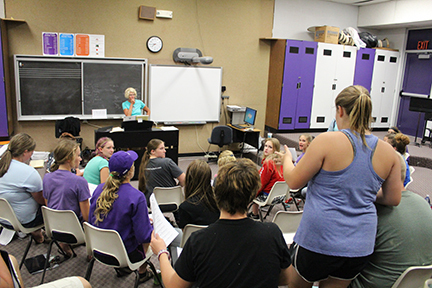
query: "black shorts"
314, 267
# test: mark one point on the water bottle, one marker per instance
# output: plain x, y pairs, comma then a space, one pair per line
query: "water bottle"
269, 135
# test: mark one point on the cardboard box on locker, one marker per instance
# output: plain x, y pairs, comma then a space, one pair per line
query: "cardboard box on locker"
327, 34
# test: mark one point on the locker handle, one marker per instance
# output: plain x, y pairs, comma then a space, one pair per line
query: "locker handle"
299, 85
382, 89
334, 87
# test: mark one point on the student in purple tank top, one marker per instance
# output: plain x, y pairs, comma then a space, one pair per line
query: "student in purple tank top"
344, 171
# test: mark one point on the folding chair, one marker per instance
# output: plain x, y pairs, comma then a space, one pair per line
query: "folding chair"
111, 251
62, 226
288, 222
413, 277
188, 230
169, 198
276, 195
8, 214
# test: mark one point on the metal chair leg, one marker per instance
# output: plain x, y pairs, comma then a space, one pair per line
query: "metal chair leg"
89, 269
26, 251
136, 278
152, 267
47, 261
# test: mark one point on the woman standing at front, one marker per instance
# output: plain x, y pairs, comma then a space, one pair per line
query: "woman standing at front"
21, 184
345, 171
96, 170
133, 106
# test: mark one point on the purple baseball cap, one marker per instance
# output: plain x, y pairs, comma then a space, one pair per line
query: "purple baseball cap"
122, 161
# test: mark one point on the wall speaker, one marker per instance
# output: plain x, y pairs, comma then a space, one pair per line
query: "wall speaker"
147, 13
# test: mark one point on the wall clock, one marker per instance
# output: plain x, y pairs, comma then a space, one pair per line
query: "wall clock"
154, 44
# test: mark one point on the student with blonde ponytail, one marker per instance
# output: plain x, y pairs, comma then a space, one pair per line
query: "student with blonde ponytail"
21, 184
119, 206
345, 170
64, 190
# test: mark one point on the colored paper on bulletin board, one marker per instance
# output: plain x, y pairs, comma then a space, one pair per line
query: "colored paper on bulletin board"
97, 45
50, 43
66, 43
82, 44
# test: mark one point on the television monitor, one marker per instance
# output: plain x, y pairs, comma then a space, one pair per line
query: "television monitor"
250, 115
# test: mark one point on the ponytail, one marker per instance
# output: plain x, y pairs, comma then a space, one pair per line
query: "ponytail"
109, 194
17, 146
142, 181
358, 105
64, 151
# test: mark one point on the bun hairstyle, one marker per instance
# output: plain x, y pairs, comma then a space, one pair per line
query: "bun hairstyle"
17, 146
64, 151
398, 141
358, 105
128, 91
151, 145
308, 137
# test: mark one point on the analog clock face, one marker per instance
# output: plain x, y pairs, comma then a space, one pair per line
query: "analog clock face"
154, 44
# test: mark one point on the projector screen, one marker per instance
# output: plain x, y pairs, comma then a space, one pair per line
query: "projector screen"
184, 94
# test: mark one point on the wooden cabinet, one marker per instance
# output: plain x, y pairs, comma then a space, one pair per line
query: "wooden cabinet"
383, 87
334, 71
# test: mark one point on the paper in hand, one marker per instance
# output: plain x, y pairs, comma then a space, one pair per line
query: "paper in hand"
160, 225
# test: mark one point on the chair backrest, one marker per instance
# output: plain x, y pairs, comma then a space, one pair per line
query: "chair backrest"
169, 195
109, 243
413, 277
8, 214
278, 189
221, 135
63, 225
288, 221
188, 230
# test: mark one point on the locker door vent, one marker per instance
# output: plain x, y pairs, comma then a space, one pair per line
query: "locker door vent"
302, 119
327, 52
294, 50
384, 119
309, 50
373, 119
320, 119
347, 54
381, 58
365, 56
287, 120
393, 59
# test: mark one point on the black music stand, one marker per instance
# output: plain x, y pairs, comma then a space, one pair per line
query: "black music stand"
420, 105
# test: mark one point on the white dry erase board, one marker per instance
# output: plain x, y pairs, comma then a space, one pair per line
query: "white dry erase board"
184, 94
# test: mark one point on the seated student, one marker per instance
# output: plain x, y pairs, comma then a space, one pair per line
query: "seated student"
119, 206
133, 107
156, 170
399, 142
403, 239
10, 276
225, 156
235, 251
304, 142
270, 172
96, 170
64, 190
200, 206
21, 184
64, 135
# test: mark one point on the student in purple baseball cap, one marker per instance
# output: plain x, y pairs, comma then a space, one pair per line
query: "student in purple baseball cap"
117, 205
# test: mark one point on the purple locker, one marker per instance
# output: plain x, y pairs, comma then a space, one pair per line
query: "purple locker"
298, 80
364, 67
3, 110
417, 79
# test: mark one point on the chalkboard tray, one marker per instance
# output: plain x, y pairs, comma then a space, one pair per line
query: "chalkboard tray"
50, 88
